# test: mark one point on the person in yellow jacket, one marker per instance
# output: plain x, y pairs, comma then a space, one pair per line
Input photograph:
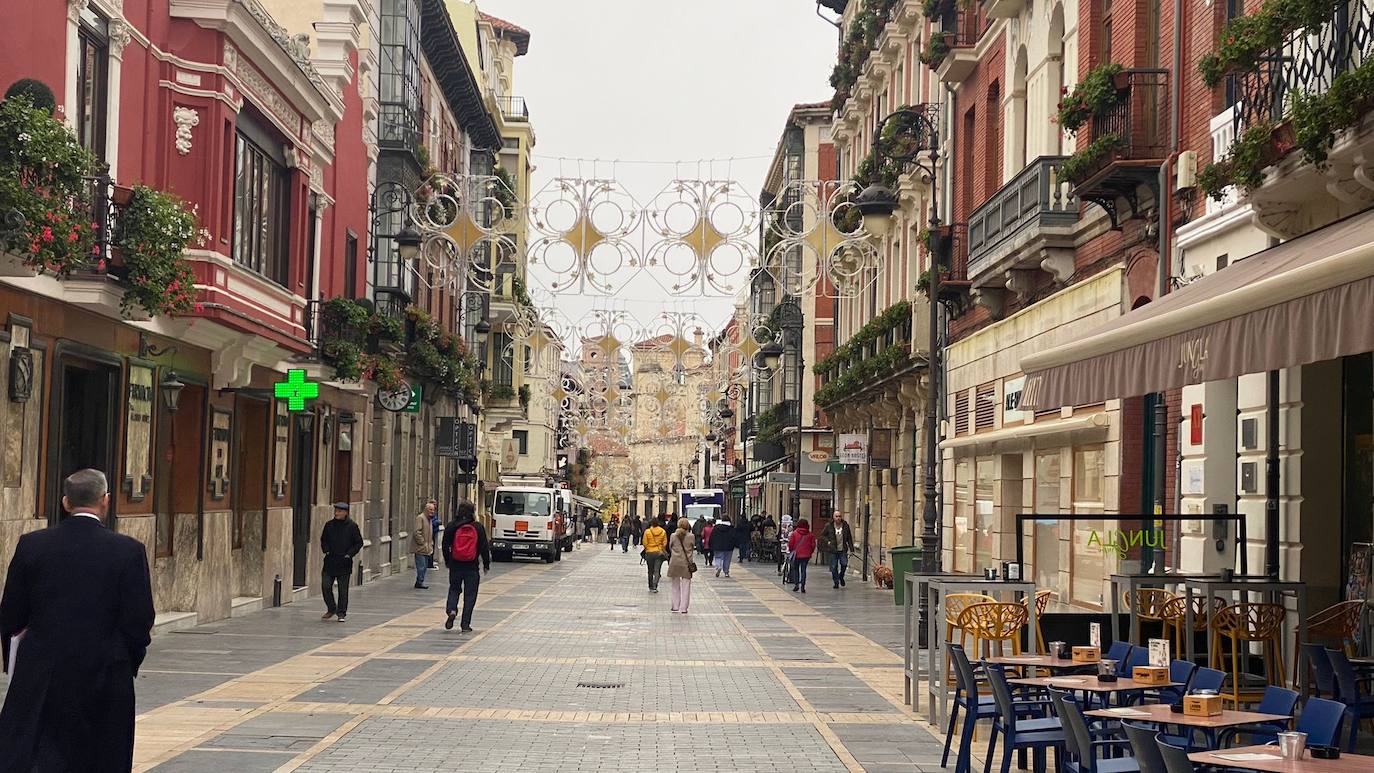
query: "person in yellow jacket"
655, 552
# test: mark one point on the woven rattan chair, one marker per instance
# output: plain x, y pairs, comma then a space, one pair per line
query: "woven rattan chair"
1242, 624
994, 623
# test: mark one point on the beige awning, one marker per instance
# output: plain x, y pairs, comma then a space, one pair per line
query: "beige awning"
1306, 300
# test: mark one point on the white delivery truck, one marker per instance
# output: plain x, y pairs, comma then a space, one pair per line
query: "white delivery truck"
529, 521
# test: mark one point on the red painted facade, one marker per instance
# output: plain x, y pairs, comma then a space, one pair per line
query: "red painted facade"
170, 63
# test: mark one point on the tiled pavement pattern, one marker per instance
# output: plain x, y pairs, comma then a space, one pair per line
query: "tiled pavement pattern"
753, 679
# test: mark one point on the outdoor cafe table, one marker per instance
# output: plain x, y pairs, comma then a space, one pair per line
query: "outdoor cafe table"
1088, 684
1160, 713
1047, 662
1266, 758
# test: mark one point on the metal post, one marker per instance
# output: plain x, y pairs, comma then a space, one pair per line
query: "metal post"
801, 365
706, 473
865, 564
1271, 480
930, 538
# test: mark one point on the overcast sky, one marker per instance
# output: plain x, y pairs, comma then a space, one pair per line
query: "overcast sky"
664, 81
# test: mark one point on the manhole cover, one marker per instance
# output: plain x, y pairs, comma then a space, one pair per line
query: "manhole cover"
601, 685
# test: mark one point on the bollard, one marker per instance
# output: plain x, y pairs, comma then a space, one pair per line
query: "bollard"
276, 591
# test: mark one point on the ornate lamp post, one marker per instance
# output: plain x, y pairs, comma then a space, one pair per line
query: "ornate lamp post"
914, 141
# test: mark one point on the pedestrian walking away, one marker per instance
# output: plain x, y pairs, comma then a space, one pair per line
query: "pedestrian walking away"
422, 543
465, 548
681, 566
76, 618
723, 545
655, 552
837, 541
744, 534
340, 540
801, 545
704, 544
613, 531
627, 528
638, 531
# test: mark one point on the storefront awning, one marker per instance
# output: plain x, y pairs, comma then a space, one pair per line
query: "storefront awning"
1304, 301
757, 472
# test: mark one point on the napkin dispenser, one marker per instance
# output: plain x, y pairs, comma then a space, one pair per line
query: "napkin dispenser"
1150, 675
1202, 705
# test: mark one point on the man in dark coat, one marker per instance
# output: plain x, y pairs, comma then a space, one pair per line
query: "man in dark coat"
81, 597
341, 540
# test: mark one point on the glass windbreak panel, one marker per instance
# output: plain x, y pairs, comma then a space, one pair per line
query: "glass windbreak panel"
530, 503
1089, 561
963, 516
1045, 531
986, 538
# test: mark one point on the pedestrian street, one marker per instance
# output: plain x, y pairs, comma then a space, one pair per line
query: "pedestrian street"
572, 666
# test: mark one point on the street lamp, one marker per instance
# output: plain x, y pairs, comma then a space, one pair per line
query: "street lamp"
791, 322
408, 242
914, 140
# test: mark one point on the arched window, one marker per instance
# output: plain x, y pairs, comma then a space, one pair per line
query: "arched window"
1020, 118
1056, 77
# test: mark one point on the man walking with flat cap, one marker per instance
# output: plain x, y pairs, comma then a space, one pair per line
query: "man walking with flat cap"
340, 540
76, 617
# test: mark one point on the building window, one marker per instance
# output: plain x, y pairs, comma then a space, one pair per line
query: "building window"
1106, 31
262, 204
1088, 561
399, 77
1046, 534
505, 365
522, 440
963, 516
961, 412
92, 81
351, 265
984, 407
527, 367
985, 541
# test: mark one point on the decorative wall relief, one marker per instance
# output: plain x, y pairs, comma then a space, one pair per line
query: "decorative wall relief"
221, 422
138, 432
185, 118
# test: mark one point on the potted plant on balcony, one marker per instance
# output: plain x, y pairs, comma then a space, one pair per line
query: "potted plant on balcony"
44, 190
1098, 92
155, 228
1086, 162
937, 48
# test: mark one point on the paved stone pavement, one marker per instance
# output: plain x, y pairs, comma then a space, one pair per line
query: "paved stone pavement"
574, 667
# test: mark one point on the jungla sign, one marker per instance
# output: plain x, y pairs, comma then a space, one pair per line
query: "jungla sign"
1121, 542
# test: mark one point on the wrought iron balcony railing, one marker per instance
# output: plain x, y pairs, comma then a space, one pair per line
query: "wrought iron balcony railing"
1307, 63
1141, 120
962, 27
513, 108
1033, 199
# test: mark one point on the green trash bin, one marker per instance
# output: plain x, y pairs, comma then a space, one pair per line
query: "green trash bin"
903, 560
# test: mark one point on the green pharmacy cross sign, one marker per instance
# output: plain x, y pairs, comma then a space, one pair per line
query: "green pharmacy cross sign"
295, 390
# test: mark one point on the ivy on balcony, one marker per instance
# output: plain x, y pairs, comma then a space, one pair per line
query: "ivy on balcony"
857, 46
1246, 40
771, 423
1094, 95
1311, 125
504, 192
937, 48
520, 292
864, 374
1081, 165
851, 351
348, 331
436, 356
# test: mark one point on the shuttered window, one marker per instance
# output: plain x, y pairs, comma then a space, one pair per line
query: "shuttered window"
984, 407
961, 413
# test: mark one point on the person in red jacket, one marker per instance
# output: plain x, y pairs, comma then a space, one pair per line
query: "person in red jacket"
802, 545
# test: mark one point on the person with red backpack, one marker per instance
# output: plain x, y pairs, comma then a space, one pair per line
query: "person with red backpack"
801, 545
465, 544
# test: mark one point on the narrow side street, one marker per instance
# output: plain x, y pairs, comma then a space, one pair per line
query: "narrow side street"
573, 666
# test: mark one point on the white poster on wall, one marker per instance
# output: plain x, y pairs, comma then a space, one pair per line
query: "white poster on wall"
853, 448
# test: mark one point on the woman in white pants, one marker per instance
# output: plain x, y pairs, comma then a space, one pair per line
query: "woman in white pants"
680, 565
